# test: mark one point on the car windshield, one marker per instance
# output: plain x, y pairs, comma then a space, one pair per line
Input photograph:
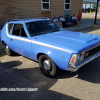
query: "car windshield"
42, 27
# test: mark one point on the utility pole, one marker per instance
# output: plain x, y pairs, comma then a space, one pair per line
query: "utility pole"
96, 12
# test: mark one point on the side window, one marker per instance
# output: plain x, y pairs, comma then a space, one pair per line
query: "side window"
23, 34
19, 30
10, 28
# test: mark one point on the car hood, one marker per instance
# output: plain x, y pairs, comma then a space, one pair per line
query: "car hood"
71, 41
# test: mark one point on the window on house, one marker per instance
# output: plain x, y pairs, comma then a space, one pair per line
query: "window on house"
67, 4
45, 4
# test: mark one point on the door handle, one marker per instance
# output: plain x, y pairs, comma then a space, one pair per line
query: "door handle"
11, 39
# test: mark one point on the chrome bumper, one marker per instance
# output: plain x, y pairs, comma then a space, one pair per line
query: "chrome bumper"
75, 68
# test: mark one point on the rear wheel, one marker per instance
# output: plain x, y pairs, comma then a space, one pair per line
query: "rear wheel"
47, 66
8, 51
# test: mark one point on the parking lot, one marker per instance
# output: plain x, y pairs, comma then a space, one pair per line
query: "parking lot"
20, 72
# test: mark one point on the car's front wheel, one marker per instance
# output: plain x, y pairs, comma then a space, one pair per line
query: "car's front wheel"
47, 66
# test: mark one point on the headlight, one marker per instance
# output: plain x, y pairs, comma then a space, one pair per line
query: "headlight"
81, 56
77, 58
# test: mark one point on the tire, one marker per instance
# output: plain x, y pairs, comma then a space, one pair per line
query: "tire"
47, 66
8, 51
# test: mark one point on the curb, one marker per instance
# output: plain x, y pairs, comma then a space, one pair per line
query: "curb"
83, 28
86, 28
96, 26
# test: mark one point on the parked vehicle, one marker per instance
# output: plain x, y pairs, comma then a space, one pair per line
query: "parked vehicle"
88, 10
49, 44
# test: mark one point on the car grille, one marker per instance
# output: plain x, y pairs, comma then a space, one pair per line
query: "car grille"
92, 51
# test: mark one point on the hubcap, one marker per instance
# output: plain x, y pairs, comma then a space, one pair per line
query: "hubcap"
7, 49
47, 65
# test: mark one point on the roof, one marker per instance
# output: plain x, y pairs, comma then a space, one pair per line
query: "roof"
29, 19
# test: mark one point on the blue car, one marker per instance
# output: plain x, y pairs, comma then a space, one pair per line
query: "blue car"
49, 44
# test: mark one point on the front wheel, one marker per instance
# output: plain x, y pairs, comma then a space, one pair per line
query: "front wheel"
47, 66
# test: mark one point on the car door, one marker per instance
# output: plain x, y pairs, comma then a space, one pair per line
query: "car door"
27, 44
20, 43
15, 40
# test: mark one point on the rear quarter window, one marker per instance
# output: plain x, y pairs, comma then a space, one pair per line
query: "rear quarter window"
10, 28
18, 30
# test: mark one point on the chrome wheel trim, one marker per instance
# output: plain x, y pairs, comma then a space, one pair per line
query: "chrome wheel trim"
47, 65
7, 49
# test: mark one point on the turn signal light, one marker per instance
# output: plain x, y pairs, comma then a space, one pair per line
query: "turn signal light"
72, 60
86, 54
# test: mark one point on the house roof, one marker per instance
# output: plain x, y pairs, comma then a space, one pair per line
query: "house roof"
89, 1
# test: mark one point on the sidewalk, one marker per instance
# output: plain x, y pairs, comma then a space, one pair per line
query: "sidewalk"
85, 23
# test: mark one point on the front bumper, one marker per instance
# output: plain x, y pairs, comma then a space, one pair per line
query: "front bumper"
75, 68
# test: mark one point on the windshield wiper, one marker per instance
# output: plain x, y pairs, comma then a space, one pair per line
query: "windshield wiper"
57, 30
40, 33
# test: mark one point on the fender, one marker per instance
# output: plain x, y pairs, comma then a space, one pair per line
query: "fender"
61, 58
